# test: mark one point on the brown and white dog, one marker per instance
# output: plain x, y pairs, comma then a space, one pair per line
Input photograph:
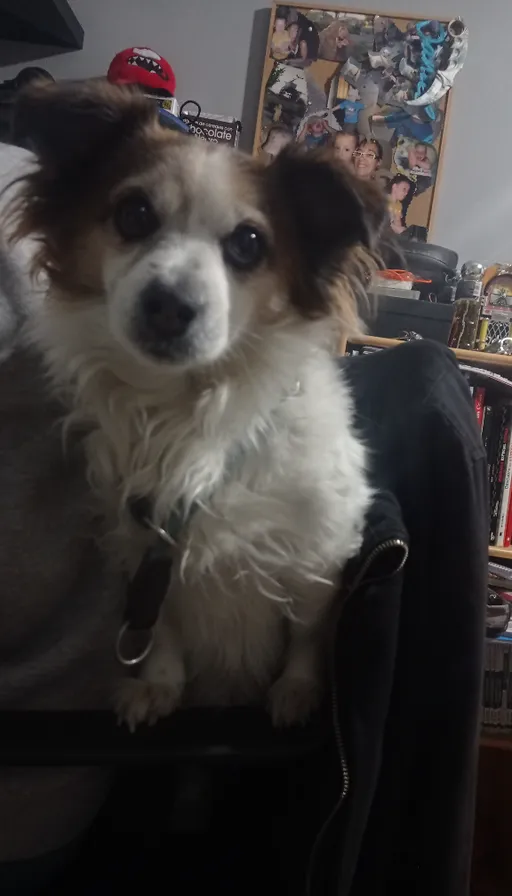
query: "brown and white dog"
195, 298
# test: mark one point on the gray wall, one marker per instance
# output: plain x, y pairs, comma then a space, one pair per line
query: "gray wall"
208, 42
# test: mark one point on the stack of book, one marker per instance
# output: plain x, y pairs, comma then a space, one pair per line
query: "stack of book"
494, 415
497, 694
497, 691
492, 399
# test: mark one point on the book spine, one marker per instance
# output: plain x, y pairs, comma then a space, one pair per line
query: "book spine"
491, 680
494, 441
486, 700
508, 682
509, 692
492, 461
508, 526
503, 682
498, 571
492, 683
504, 685
478, 401
487, 428
497, 683
497, 474
496, 690
495, 686
505, 498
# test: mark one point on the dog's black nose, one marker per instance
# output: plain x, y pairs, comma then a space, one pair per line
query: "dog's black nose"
166, 314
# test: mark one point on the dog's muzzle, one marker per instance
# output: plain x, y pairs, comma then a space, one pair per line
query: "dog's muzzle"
163, 318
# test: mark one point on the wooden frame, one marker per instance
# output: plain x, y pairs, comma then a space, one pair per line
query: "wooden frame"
412, 151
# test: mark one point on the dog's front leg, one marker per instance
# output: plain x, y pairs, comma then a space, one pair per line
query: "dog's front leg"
298, 691
158, 691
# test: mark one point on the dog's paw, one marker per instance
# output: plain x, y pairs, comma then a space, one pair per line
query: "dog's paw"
139, 701
292, 700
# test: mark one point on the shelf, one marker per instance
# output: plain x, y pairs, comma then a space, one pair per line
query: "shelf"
496, 741
497, 362
501, 553
31, 30
49, 23
485, 359
502, 363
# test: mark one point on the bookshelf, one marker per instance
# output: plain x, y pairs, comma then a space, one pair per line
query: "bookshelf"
500, 363
500, 553
496, 741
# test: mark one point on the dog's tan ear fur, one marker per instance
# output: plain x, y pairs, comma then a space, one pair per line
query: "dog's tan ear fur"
327, 225
87, 136
69, 123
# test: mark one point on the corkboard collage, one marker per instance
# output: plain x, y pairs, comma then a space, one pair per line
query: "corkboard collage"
337, 78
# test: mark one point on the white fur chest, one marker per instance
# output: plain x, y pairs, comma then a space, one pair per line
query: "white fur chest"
275, 477
273, 520
276, 485
232, 637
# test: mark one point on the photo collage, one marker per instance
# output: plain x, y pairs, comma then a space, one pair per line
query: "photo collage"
348, 81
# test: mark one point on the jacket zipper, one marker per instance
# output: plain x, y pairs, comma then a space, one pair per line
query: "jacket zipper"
381, 548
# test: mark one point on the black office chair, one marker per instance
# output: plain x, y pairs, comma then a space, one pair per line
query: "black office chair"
204, 796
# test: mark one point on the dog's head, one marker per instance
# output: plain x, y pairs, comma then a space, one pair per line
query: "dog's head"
186, 247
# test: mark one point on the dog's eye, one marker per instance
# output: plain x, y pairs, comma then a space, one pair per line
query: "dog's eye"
135, 218
244, 248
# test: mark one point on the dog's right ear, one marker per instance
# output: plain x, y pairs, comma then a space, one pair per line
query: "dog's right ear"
86, 135
67, 123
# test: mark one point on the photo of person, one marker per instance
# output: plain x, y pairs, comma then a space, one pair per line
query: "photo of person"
314, 132
368, 158
335, 42
294, 38
364, 89
400, 191
418, 159
347, 111
278, 136
415, 158
286, 97
412, 126
304, 40
344, 145
280, 46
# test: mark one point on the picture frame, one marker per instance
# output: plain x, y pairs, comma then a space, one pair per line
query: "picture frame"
337, 77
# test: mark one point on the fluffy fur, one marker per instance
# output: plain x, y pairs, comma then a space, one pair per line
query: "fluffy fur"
243, 418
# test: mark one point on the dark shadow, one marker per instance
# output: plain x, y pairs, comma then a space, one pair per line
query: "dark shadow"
257, 52
41, 22
15, 52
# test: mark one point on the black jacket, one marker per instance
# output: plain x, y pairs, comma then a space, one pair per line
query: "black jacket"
410, 645
382, 794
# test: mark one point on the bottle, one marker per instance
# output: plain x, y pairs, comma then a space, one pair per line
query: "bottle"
466, 319
470, 285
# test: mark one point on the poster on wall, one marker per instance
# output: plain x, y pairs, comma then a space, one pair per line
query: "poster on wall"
371, 88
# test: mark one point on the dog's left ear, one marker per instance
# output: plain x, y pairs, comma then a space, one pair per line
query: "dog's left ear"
321, 212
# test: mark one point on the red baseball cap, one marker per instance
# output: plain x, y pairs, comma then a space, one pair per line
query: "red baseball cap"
141, 65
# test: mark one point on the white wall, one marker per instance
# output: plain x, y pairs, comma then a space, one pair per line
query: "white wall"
208, 42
